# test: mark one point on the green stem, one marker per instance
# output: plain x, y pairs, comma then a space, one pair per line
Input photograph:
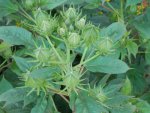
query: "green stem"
3, 63
122, 9
52, 46
90, 59
83, 56
53, 103
54, 37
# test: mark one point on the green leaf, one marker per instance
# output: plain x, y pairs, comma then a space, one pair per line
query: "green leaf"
14, 95
147, 53
124, 109
22, 63
132, 47
86, 104
138, 82
142, 24
115, 31
44, 72
143, 107
53, 4
144, 29
7, 7
127, 87
16, 36
40, 106
75, 2
132, 2
4, 85
1, 111
107, 65
30, 98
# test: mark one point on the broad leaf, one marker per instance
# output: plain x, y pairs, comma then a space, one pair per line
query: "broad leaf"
143, 107
124, 109
115, 31
16, 36
107, 65
4, 85
23, 63
40, 106
7, 7
53, 4
86, 104
132, 2
44, 72
13, 95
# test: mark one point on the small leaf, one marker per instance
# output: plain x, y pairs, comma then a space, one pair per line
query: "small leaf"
44, 72
4, 85
40, 106
143, 107
107, 65
86, 104
16, 36
127, 87
132, 48
13, 95
124, 109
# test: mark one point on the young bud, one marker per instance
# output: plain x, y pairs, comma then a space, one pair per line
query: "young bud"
105, 45
29, 4
71, 13
74, 40
61, 31
81, 23
42, 54
90, 34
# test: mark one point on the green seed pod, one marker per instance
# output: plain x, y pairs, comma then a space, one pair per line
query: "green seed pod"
45, 23
105, 45
71, 82
80, 24
67, 22
71, 28
42, 55
40, 16
7, 54
71, 13
90, 34
74, 40
61, 31
5, 50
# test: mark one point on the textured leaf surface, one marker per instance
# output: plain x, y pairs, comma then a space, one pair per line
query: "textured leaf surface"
115, 31
86, 104
107, 65
132, 2
40, 106
16, 36
4, 85
7, 7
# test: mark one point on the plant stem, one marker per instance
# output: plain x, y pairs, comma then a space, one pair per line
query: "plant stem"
54, 37
122, 10
3, 63
64, 98
54, 49
83, 56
